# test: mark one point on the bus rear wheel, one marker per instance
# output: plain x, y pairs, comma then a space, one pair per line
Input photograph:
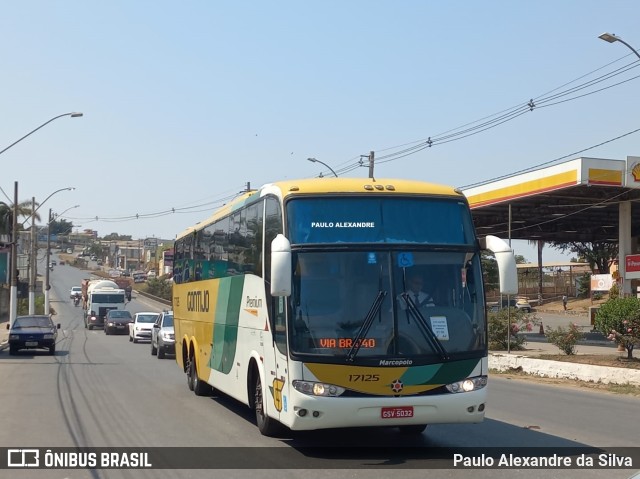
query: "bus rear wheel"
266, 425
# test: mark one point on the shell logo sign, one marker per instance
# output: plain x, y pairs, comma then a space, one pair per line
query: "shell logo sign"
635, 171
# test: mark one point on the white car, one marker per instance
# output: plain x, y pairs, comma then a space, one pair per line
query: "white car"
75, 291
140, 328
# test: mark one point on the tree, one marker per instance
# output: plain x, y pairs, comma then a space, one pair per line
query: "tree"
60, 227
540, 244
490, 271
619, 320
6, 215
600, 254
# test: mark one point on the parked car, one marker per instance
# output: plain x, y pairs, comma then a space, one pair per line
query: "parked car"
523, 304
61, 262
34, 331
518, 303
163, 339
151, 274
142, 325
54, 262
75, 291
117, 321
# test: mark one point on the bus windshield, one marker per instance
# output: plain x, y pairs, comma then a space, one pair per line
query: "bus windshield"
401, 220
432, 307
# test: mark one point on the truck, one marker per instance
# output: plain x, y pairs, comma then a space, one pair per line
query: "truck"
124, 283
98, 297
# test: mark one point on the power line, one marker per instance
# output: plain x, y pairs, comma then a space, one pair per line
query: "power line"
503, 116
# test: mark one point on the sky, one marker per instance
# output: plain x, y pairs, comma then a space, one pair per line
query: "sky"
186, 103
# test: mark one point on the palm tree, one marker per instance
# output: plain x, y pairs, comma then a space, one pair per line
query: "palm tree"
6, 215
540, 244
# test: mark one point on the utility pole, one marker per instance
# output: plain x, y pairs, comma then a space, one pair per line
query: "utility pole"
47, 286
13, 309
371, 159
32, 265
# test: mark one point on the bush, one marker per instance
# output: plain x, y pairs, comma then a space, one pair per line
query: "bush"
499, 328
565, 339
619, 320
23, 306
614, 292
584, 286
160, 288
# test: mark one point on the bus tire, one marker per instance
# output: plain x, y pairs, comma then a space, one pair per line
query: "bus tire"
266, 425
190, 374
413, 429
200, 388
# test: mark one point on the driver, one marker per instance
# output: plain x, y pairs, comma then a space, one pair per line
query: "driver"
420, 298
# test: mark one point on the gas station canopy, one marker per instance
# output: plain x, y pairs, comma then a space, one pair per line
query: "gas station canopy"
578, 200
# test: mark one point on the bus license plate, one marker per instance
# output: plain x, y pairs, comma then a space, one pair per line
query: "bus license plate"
396, 412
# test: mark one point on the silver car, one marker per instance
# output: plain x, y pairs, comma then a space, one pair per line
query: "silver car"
163, 340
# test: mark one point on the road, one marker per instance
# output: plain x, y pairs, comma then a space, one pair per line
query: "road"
104, 391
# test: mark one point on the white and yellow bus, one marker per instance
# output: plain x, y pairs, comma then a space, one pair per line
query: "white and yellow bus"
293, 300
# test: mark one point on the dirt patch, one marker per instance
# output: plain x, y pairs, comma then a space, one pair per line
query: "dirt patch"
572, 383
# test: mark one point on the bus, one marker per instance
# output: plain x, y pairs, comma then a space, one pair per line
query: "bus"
293, 300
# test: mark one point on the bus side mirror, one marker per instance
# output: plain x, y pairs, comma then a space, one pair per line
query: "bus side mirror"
506, 263
280, 266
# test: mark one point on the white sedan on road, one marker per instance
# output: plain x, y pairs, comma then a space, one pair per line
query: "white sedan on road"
140, 328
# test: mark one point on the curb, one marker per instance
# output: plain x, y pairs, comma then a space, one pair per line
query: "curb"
564, 370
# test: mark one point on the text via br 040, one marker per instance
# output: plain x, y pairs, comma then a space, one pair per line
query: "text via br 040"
346, 343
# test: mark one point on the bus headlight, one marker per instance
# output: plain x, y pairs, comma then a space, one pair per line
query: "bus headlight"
467, 385
317, 389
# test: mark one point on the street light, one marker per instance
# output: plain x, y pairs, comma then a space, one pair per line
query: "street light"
73, 114
611, 38
68, 188
624, 247
34, 249
313, 160
46, 278
13, 309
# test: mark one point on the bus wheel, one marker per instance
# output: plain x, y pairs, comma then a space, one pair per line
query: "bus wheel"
266, 425
413, 429
200, 388
190, 370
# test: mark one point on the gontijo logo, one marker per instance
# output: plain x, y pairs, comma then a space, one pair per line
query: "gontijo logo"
198, 301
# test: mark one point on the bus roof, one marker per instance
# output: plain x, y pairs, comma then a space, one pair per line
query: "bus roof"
330, 185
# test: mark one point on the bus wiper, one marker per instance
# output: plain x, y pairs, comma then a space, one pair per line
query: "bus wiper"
366, 325
424, 327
